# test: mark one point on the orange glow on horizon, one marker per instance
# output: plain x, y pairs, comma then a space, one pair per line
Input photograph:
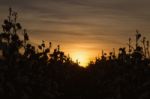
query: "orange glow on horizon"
82, 57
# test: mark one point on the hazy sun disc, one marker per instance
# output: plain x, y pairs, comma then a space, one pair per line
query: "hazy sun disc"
82, 58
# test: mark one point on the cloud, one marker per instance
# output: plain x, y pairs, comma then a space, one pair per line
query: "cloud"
85, 21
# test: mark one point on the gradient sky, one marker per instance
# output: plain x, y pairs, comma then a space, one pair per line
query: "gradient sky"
82, 26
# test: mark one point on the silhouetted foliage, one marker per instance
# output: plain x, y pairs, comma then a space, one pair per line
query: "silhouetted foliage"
39, 73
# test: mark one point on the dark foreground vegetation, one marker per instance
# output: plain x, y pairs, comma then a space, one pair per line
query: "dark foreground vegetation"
27, 72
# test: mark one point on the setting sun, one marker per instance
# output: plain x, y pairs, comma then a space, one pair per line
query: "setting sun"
82, 58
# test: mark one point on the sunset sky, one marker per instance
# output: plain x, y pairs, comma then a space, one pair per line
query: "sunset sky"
82, 27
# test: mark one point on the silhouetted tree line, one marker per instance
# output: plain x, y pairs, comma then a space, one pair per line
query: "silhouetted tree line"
27, 72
